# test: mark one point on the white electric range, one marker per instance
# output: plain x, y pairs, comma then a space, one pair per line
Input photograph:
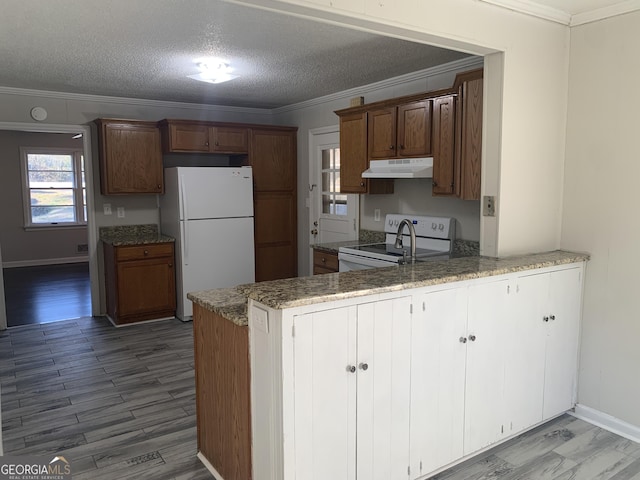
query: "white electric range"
434, 240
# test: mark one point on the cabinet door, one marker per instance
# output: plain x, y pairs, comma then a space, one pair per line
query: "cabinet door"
437, 380
325, 394
414, 129
230, 139
382, 133
485, 368
524, 370
353, 152
384, 375
146, 286
273, 158
565, 294
131, 159
468, 185
444, 123
189, 138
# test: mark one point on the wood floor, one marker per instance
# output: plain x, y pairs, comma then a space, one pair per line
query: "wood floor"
47, 293
564, 449
120, 404
117, 403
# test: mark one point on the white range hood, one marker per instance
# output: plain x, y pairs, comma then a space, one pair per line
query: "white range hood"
400, 168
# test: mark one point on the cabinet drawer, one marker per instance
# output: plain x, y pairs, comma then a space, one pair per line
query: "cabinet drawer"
326, 261
140, 252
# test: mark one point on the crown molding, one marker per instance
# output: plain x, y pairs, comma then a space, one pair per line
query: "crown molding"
82, 97
534, 9
455, 66
545, 12
605, 12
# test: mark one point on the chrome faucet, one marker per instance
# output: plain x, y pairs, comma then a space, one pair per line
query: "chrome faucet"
412, 233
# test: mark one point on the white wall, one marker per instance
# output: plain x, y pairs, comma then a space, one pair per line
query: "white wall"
600, 213
530, 95
31, 247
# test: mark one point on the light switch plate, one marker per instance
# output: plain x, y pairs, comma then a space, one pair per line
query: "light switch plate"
107, 208
489, 206
376, 215
120, 212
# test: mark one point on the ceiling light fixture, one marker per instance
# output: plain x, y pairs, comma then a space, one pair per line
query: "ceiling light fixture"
213, 72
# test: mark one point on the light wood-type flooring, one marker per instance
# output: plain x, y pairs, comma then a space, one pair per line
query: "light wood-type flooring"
117, 403
120, 404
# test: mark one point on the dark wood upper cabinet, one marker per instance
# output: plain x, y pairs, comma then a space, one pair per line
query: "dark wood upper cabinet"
353, 152
130, 157
381, 125
444, 129
414, 129
400, 131
469, 135
203, 137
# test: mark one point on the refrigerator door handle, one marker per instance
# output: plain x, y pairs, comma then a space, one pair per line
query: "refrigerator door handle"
185, 242
183, 201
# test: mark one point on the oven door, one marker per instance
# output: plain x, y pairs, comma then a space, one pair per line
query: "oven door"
348, 262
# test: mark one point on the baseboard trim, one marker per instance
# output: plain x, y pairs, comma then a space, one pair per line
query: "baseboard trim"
209, 467
45, 261
608, 422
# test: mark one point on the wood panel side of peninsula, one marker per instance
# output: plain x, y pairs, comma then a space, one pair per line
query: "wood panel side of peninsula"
222, 393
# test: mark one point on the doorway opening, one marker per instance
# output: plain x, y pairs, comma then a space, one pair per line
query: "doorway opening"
49, 267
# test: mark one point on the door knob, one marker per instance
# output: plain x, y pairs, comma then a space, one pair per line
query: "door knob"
351, 368
472, 338
363, 366
552, 317
314, 231
463, 339
545, 319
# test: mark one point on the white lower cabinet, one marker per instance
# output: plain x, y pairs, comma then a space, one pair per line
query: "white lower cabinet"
484, 403
352, 391
438, 364
400, 387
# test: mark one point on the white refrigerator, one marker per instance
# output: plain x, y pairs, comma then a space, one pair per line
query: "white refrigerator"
209, 211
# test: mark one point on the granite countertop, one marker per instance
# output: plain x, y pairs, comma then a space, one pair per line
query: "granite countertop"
229, 303
296, 292
122, 235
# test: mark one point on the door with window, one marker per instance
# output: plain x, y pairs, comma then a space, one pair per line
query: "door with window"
334, 216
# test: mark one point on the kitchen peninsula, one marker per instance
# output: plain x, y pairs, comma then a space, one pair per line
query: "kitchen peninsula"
385, 373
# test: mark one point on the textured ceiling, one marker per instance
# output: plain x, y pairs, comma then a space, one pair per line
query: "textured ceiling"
146, 49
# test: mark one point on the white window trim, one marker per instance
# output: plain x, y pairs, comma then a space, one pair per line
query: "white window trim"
76, 153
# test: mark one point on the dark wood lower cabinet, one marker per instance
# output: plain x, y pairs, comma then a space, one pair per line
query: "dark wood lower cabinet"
324, 262
140, 282
223, 406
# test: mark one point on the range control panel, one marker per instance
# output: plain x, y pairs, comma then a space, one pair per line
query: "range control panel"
425, 226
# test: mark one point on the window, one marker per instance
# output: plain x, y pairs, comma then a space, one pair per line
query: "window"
54, 187
333, 203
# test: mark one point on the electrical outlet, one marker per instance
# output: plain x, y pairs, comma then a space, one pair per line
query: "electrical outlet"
107, 208
120, 212
489, 206
82, 248
376, 215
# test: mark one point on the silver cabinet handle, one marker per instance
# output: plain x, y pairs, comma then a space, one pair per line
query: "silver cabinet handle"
472, 338
351, 369
463, 339
363, 366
